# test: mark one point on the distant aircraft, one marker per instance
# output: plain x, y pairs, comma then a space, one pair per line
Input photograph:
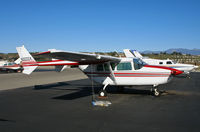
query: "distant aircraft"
186, 68
105, 70
12, 66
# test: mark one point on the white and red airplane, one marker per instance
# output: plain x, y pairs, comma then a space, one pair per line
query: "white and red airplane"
105, 70
12, 66
186, 68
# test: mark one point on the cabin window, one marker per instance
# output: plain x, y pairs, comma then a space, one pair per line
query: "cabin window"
160, 63
169, 62
124, 66
106, 67
100, 67
113, 65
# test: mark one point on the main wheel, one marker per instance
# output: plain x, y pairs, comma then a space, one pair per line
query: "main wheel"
156, 93
102, 93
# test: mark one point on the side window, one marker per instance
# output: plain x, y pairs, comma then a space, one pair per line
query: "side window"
169, 62
106, 68
113, 65
160, 62
124, 66
100, 67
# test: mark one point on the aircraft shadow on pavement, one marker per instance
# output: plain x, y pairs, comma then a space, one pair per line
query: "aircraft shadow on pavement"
87, 91
80, 88
5, 120
182, 76
83, 92
79, 93
49, 86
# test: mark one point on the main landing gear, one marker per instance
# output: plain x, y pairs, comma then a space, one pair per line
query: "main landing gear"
188, 75
102, 93
102, 100
154, 91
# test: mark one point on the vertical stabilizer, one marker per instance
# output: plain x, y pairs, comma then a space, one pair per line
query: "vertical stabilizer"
137, 54
27, 61
128, 53
132, 53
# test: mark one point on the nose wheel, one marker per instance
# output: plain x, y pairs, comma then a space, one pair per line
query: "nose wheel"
156, 92
102, 93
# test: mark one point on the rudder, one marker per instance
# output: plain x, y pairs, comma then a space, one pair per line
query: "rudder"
27, 61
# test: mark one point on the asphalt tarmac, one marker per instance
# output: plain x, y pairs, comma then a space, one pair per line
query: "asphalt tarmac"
65, 106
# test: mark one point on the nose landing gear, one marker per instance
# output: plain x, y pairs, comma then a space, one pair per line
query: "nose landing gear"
102, 100
103, 93
155, 92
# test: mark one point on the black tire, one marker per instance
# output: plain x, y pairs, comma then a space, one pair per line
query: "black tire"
102, 93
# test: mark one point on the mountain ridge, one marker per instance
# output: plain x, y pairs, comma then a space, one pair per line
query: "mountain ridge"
193, 51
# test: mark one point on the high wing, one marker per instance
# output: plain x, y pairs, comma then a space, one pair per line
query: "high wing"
81, 58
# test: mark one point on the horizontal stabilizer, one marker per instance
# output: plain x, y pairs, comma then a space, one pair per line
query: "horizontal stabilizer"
18, 61
29, 69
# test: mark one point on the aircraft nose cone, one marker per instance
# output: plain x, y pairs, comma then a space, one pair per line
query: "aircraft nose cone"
176, 72
196, 67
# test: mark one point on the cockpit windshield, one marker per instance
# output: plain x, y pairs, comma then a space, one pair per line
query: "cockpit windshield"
138, 63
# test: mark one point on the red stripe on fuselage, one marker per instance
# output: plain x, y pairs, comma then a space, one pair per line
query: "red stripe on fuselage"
59, 64
97, 74
16, 65
127, 76
142, 76
127, 73
174, 71
74, 64
50, 61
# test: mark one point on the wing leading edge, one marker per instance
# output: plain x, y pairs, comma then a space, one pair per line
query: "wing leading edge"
81, 58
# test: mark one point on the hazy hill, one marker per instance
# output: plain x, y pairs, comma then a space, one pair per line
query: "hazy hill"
180, 50
184, 51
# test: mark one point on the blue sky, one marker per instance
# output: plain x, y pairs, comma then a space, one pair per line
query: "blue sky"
99, 25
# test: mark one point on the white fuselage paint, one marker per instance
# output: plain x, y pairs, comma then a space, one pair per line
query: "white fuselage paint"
143, 76
186, 68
